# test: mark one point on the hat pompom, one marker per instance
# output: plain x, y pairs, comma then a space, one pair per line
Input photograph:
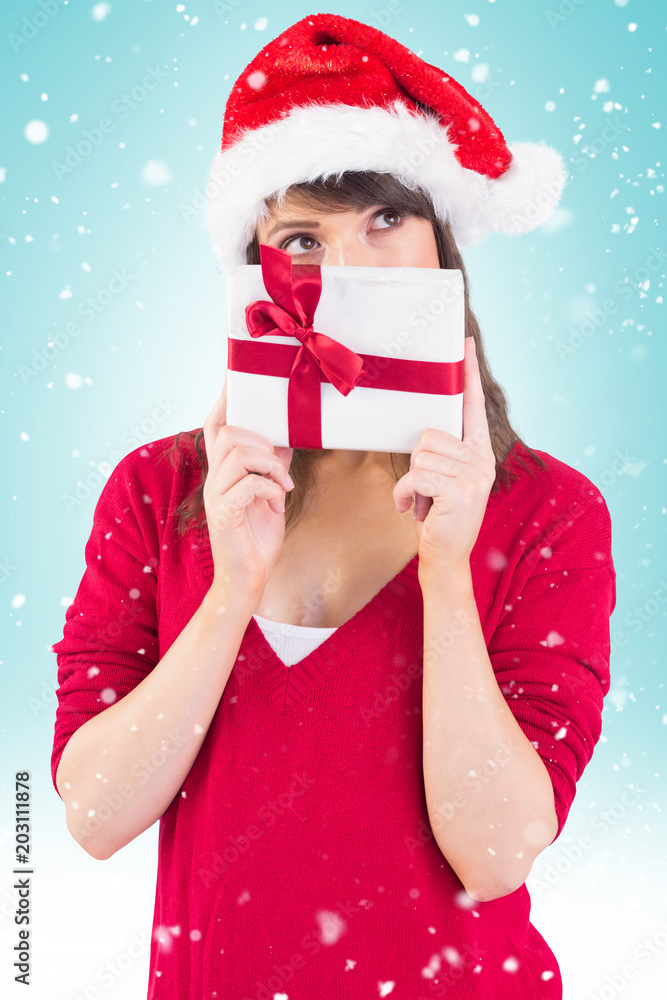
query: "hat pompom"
526, 194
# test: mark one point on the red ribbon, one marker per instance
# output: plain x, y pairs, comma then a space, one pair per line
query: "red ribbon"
295, 295
296, 292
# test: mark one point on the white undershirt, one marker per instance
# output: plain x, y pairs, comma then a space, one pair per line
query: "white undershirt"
292, 643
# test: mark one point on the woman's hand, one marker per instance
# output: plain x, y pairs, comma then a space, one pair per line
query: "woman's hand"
244, 498
456, 475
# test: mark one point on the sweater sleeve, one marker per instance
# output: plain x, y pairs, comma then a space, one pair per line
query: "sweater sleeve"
110, 636
551, 650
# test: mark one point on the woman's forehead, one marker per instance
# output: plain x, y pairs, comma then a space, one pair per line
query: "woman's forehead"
308, 207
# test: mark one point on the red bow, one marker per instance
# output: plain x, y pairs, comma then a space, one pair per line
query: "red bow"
296, 293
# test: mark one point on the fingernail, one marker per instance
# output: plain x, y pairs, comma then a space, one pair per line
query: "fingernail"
290, 480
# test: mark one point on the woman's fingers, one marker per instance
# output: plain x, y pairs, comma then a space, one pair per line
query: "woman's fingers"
215, 421
475, 426
243, 460
242, 466
228, 510
230, 437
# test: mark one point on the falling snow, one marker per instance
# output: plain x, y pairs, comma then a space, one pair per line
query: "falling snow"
257, 79
623, 183
331, 926
100, 11
156, 173
36, 132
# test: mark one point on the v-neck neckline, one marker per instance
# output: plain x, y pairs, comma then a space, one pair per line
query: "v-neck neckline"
288, 685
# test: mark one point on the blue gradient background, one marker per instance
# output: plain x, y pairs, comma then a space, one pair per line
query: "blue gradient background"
600, 407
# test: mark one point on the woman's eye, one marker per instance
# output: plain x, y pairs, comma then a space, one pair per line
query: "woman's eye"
299, 244
389, 218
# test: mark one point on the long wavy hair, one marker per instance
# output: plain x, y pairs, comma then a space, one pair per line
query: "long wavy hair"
339, 193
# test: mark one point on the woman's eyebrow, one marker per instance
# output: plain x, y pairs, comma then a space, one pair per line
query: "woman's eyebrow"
302, 223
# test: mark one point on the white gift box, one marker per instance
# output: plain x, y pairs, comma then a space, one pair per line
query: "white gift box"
401, 313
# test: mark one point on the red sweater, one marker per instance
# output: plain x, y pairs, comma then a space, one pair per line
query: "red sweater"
297, 859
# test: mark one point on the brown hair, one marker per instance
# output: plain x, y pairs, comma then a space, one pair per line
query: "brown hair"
359, 190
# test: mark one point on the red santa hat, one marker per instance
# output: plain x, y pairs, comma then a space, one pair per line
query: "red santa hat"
331, 95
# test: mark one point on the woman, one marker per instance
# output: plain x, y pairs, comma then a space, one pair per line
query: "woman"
358, 722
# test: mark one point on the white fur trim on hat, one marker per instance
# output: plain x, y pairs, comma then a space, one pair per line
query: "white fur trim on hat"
318, 140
